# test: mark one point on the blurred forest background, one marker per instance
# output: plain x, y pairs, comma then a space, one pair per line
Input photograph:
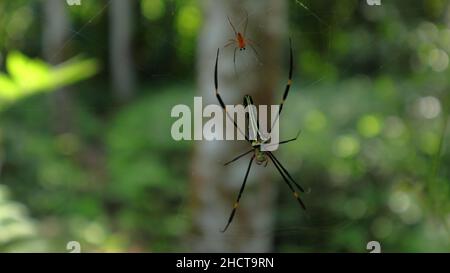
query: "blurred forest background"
86, 153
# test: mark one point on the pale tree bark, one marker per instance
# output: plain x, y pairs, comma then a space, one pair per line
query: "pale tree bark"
121, 61
56, 31
214, 186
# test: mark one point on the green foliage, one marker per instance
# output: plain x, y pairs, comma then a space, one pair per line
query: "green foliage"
28, 76
370, 167
136, 193
148, 170
17, 231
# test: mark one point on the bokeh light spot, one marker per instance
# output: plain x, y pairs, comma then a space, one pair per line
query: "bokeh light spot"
346, 146
369, 126
93, 233
429, 107
438, 60
399, 201
394, 127
153, 9
189, 21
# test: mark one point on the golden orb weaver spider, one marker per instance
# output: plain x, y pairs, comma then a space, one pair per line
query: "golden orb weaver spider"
260, 156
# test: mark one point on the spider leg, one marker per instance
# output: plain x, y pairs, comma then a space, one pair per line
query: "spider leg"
230, 42
296, 195
292, 139
256, 53
219, 98
236, 204
239, 156
284, 141
289, 82
232, 26
287, 173
234, 61
246, 22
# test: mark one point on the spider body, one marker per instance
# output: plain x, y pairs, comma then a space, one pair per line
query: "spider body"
241, 43
261, 157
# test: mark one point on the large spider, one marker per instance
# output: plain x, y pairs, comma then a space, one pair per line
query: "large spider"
260, 156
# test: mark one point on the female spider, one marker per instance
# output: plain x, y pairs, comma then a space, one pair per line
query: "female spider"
240, 41
260, 156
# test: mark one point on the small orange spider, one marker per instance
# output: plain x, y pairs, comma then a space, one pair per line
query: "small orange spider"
240, 40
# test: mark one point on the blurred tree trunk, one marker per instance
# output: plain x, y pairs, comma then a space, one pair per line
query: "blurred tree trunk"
214, 186
121, 61
55, 33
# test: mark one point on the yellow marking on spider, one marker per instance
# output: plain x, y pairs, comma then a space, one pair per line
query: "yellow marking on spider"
296, 194
236, 205
289, 82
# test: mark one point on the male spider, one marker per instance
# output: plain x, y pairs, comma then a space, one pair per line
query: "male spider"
261, 157
240, 40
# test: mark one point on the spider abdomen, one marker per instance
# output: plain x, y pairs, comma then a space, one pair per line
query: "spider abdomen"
260, 156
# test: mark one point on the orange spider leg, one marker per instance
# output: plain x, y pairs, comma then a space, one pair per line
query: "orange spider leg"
232, 26
230, 42
234, 62
252, 44
246, 22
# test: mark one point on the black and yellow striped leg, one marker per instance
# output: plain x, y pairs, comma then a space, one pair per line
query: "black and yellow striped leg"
296, 195
287, 173
236, 204
288, 85
219, 98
